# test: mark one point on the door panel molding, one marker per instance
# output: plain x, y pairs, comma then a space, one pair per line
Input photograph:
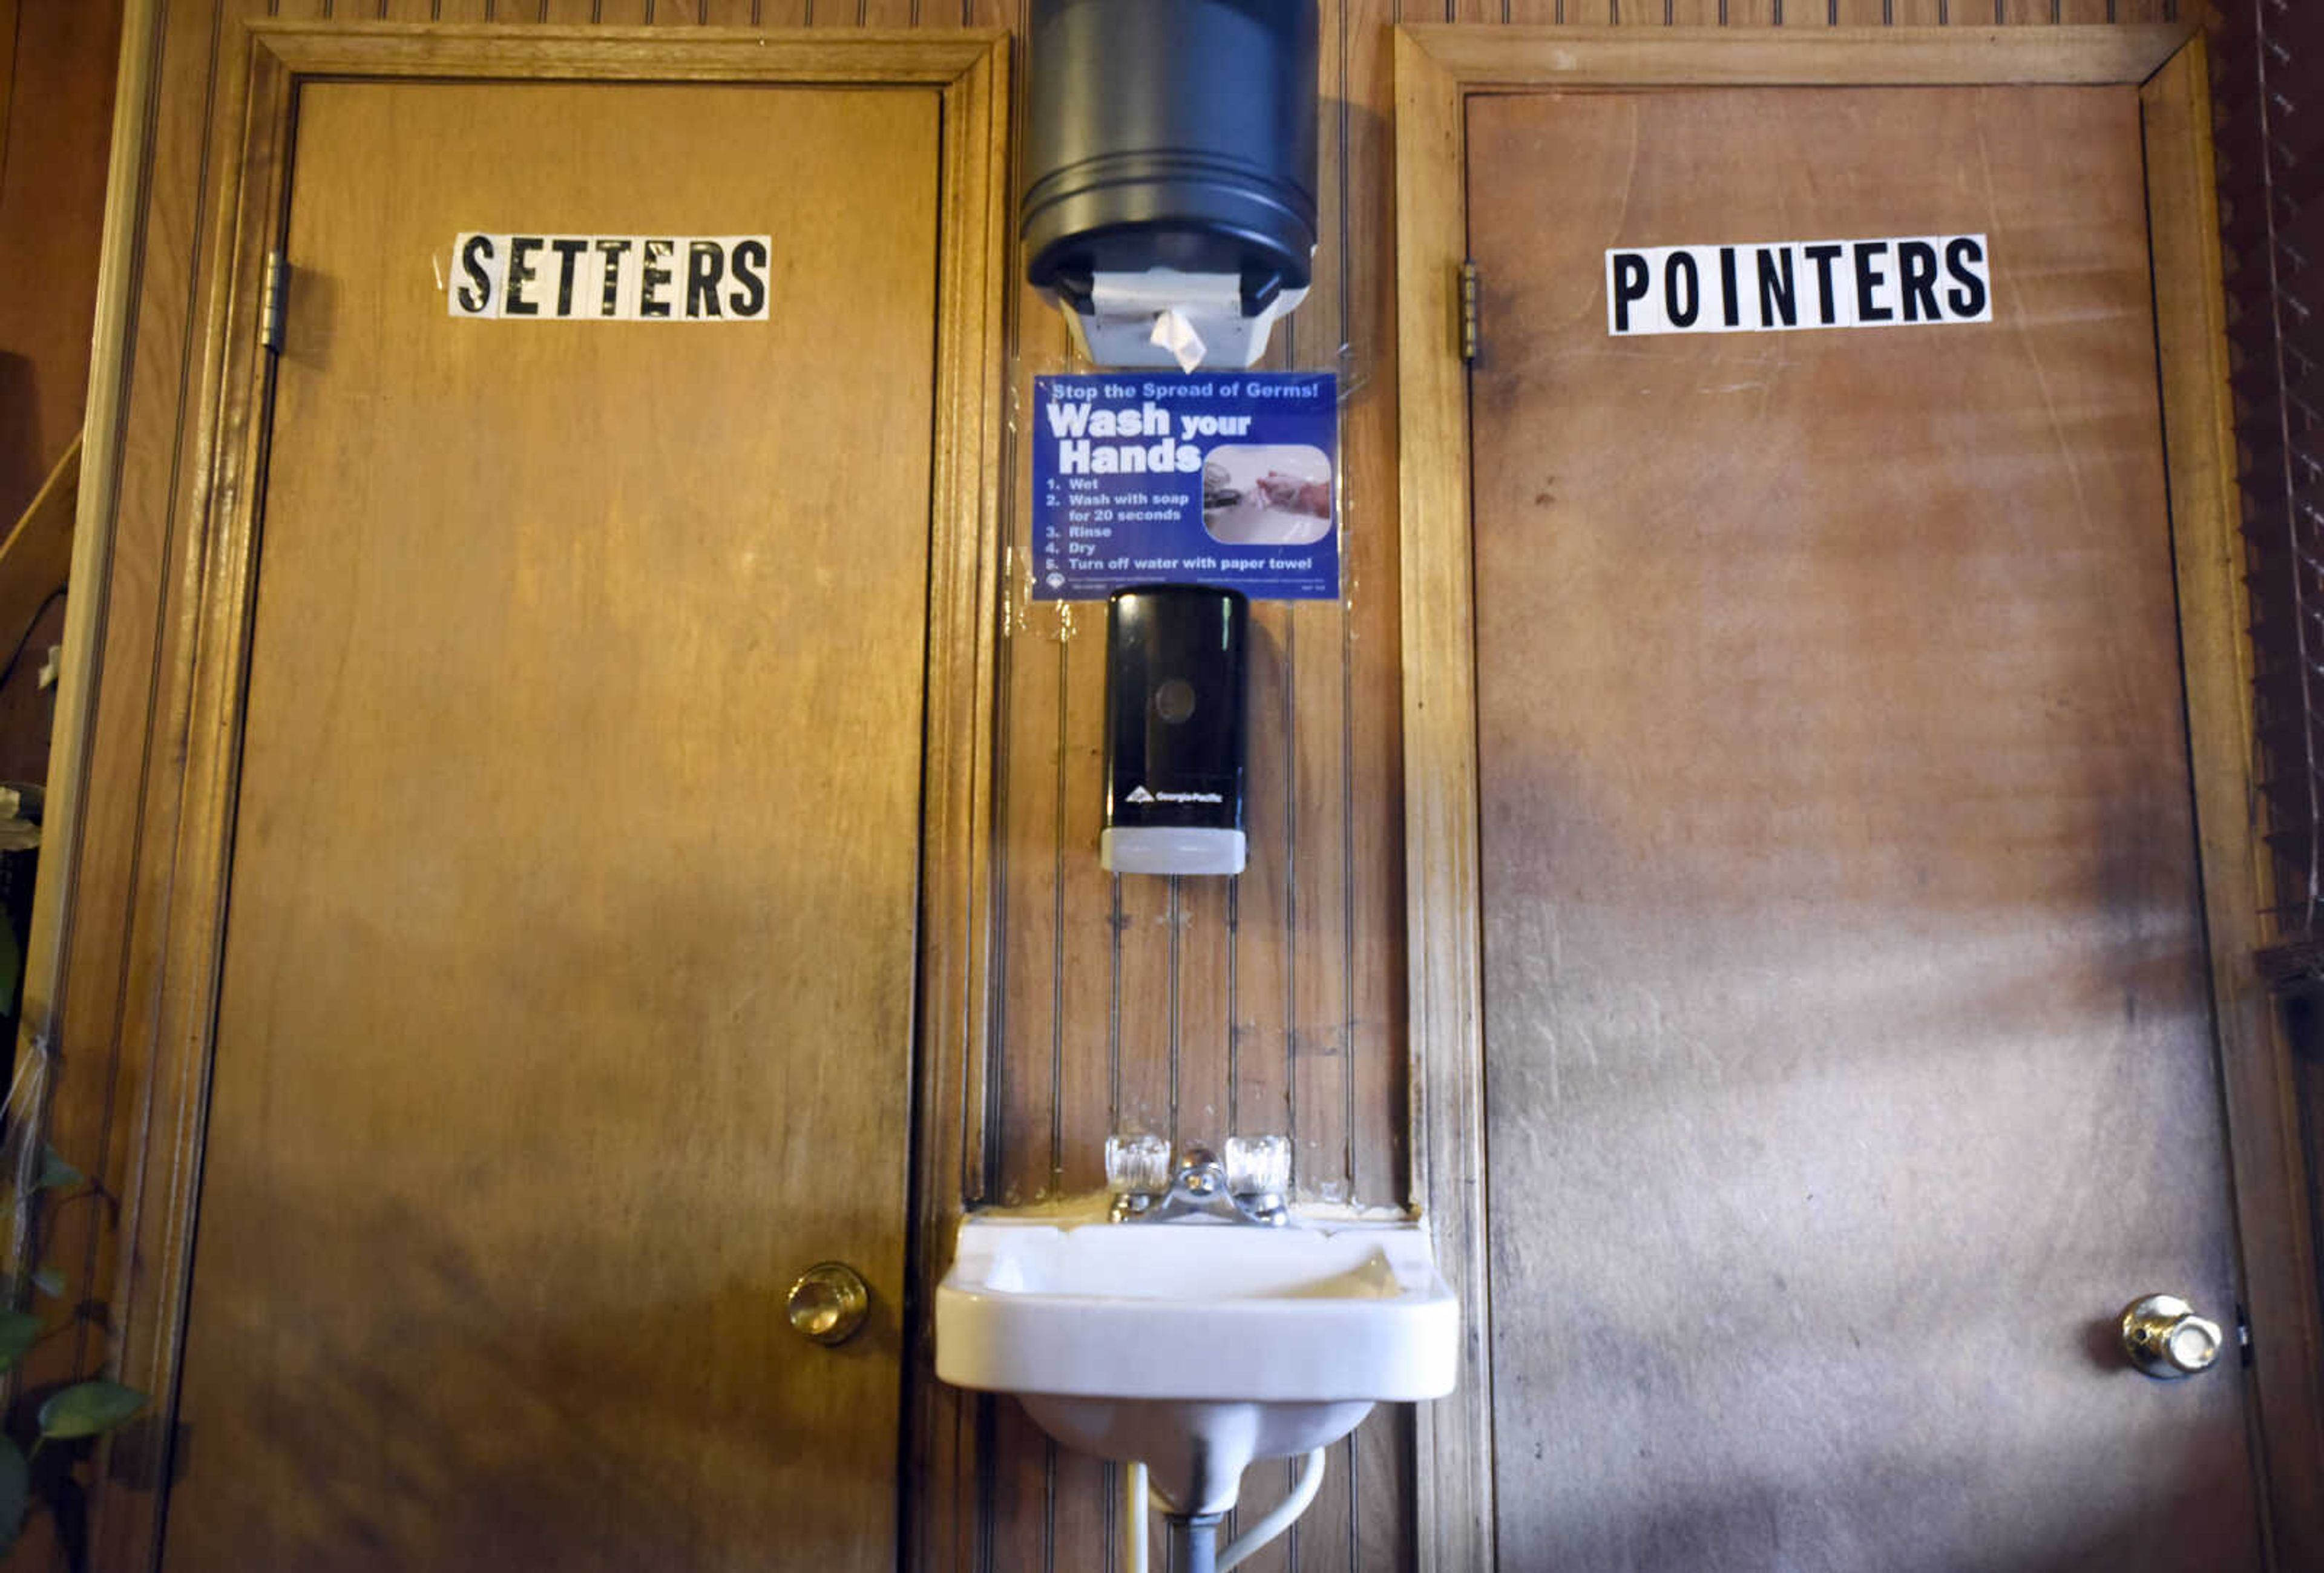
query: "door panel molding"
189, 799
1437, 67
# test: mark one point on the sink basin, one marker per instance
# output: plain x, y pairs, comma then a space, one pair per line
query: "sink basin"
1196, 1347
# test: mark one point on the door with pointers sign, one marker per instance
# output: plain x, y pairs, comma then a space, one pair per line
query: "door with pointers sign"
592, 599
1850, 1028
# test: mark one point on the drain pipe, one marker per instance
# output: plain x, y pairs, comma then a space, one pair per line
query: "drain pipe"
1194, 1541
1183, 1547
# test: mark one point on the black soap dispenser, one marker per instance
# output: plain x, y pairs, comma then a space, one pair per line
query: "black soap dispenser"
1176, 730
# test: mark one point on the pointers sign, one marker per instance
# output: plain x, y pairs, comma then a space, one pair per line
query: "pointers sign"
1785, 285
610, 278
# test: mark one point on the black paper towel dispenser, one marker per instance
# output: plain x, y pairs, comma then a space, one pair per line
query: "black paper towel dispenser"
1170, 172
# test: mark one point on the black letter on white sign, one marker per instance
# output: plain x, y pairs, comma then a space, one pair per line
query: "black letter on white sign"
1918, 259
1682, 319
477, 292
1823, 256
1968, 298
569, 250
1778, 299
750, 297
1630, 284
1868, 278
520, 274
650, 304
613, 251
706, 265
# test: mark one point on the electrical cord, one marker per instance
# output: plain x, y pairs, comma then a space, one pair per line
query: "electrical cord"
8, 666
1303, 1495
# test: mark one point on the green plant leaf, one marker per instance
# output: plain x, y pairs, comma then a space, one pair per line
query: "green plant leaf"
88, 1409
55, 1173
18, 1332
50, 1282
15, 1493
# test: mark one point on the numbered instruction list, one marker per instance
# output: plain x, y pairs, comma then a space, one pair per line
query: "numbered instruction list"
1228, 480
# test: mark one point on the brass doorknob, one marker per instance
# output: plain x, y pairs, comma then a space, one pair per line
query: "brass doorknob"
829, 1303
2164, 1337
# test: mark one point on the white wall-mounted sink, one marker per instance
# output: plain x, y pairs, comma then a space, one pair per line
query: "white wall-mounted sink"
1196, 1347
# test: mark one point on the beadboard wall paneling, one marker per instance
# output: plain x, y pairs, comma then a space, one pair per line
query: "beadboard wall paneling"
1273, 1002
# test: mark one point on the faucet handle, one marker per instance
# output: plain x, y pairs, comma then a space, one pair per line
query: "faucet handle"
1258, 1165
1136, 1165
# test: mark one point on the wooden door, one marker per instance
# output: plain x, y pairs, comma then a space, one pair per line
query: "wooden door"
1848, 1050
565, 706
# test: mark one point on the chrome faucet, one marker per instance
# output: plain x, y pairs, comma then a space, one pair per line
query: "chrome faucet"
1246, 1185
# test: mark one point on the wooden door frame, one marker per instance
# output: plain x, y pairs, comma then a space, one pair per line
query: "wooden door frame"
1437, 67
161, 1057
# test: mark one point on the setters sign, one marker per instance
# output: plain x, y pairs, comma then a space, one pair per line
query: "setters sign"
610, 278
1783, 286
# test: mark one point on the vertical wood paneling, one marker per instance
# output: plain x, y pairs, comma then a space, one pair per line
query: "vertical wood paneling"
1081, 1043
1200, 1008
1381, 1477
1138, 1033
1315, 651
1021, 1489
101, 1023
1371, 764
1033, 846
1261, 1048
1284, 987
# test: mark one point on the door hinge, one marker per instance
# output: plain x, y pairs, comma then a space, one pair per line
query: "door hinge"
273, 301
1469, 311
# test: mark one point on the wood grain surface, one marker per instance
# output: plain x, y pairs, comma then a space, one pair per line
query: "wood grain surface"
2273, 1188
1338, 734
1847, 1010
58, 56
568, 980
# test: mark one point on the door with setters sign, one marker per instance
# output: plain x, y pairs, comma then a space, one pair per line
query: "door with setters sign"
566, 1008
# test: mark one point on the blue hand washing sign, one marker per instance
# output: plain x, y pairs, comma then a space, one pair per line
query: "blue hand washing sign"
1216, 479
